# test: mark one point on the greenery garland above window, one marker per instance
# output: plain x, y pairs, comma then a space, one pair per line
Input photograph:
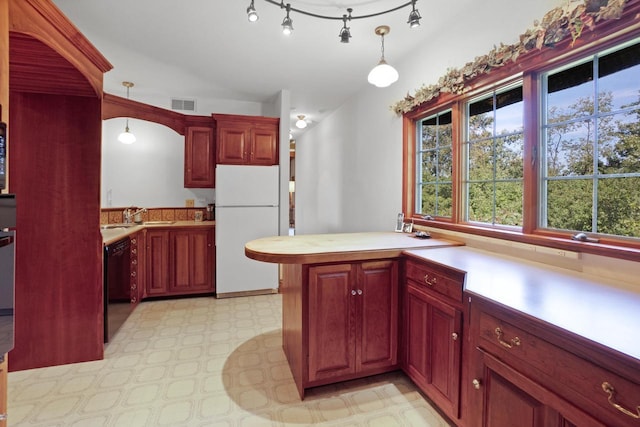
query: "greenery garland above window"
557, 24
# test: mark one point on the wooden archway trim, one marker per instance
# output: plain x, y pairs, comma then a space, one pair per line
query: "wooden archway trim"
43, 21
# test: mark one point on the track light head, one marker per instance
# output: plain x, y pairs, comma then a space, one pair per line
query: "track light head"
287, 23
414, 16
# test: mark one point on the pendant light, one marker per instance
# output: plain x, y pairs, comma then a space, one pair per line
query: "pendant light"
127, 137
383, 74
301, 123
252, 14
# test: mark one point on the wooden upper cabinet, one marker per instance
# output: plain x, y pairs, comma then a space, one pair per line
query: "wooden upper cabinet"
199, 160
247, 140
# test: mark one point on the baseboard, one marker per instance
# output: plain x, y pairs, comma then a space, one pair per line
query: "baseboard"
246, 293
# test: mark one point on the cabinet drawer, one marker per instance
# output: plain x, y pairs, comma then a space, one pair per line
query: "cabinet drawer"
444, 282
609, 396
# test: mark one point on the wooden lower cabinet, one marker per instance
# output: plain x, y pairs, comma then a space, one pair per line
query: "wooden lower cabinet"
433, 333
525, 372
353, 326
511, 399
179, 261
340, 321
433, 347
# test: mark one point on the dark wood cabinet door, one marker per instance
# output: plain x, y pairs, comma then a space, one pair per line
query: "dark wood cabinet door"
199, 158
512, 399
232, 144
377, 297
192, 261
157, 262
264, 146
332, 327
434, 347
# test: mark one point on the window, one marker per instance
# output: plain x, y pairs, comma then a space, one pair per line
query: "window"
536, 150
434, 160
591, 145
494, 150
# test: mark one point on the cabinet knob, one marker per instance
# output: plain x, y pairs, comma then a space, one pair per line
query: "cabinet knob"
134, 299
134, 251
476, 384
359, 291
454, 336
353, 292
134, 241
134, 261
133, 274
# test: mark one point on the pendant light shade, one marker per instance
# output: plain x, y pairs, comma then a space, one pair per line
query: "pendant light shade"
127, 137
383, 74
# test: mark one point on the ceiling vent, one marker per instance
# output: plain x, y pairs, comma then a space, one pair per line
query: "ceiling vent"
183, 104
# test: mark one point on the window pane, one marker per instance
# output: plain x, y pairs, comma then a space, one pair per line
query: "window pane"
619, 206
437, 200
445, 164
480, 206
619, 148
509, 198
480, 119
565, 87
570, 204
429, 133
509, 110
429, 167
481, 160
569, 149
508, 158
619, 73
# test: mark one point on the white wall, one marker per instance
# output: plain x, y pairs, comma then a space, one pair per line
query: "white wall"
150, 172
349, 166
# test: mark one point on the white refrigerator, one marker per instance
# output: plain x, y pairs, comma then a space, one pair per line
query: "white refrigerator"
247, 199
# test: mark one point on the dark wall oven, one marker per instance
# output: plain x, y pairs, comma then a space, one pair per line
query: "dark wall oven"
117, 286
7, 266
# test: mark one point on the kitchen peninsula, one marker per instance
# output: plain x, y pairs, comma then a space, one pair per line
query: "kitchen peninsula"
327, 337
490, 339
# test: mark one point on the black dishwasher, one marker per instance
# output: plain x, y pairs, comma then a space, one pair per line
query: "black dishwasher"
117, 286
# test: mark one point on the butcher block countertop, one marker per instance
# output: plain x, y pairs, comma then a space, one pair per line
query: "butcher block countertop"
582, 304
320, 248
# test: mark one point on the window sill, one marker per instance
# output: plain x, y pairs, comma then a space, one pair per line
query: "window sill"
605, 247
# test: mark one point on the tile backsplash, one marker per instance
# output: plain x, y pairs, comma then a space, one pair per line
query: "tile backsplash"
116, 215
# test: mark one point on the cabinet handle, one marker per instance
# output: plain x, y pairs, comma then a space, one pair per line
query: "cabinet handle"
353, 292
133, 300
134, 251
134, 261
359, 291
454, 336
476, 384
133, 274
512, 342
134, 241
430, 281
608, 388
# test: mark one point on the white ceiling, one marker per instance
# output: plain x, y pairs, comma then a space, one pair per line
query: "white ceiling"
208, 49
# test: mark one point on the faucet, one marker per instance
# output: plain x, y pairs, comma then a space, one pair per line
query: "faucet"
127, 215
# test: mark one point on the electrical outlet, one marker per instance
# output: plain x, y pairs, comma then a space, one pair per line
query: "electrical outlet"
189, 203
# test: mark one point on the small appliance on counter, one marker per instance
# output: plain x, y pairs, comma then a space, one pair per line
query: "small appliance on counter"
210, 213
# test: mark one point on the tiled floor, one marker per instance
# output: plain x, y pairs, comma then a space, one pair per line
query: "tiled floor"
204, 362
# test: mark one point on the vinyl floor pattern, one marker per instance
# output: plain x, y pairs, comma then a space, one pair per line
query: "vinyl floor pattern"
204, 362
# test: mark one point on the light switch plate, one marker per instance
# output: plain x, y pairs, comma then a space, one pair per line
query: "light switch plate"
189, 203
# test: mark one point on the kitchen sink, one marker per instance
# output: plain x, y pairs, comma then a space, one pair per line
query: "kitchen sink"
158, 222
120, 225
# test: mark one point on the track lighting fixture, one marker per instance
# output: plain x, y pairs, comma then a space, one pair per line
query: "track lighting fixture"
127, 137
301, 123
252, 15
287, 23
382, 74
345, 32
414, 16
